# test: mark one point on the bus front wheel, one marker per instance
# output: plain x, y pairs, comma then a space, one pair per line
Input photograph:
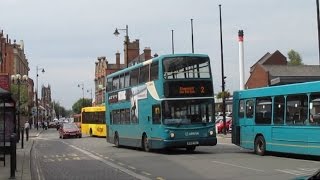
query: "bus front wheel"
260, 146
145, 143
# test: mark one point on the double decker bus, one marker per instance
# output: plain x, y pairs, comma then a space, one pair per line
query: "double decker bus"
93, 121
278, 119
164, 102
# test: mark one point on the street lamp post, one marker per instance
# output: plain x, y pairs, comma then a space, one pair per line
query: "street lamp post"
82, 87
37, 103
222, 78
116, 33
90, 90
172, 42
18, 80
192, 45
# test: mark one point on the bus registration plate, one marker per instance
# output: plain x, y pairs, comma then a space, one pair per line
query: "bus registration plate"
189, 143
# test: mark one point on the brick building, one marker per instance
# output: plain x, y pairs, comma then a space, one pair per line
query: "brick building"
104, 68
273, 69
46, 102
14, 61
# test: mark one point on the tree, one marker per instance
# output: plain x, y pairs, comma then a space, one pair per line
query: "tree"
76, 107
60, 111
295, 58
23, 97
225, 94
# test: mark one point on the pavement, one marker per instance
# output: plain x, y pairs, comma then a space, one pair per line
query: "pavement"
224, 138
23, 171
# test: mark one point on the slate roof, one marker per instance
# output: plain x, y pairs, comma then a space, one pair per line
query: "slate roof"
287, 70
286, 74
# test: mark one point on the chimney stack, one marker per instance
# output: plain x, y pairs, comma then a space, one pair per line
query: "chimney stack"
118, 59
241, 59
147, 53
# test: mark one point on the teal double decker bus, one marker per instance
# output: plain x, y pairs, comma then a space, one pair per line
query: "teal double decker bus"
282, 119
164, 102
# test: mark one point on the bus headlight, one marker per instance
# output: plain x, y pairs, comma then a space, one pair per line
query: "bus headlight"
172, 135
211, 132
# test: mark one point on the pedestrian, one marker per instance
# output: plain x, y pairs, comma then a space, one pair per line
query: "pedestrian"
26, 127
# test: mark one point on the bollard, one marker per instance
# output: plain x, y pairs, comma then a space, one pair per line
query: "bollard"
22, 137
13, 158
27, 134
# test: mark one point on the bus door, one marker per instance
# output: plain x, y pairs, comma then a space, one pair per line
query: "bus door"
246, 123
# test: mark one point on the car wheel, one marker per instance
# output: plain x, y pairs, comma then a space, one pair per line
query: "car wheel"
260, 146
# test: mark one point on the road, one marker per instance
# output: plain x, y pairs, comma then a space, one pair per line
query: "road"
94, 158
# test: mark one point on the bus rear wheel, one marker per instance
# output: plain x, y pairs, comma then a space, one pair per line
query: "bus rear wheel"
145, 143
116, 140
260, 146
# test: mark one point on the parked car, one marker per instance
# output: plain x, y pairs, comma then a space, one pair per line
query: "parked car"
220, 124
52, 125
69, 130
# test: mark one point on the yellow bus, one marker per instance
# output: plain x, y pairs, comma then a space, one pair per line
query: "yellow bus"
93, 121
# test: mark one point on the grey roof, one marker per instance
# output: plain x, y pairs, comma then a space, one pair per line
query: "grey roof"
295, 71
261, 61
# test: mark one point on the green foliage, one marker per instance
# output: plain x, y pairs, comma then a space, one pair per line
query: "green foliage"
295, 58
60, 111
76, 107
23, 96
225, 94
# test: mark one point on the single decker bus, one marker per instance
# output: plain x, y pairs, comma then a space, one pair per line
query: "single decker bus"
283, 118
93, 121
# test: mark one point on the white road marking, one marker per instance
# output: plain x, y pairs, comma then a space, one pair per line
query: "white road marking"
288, 171
127, 171
234, 165
146, 173
300, 172
131, 167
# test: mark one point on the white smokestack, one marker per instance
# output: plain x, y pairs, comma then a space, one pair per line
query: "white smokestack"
241, 59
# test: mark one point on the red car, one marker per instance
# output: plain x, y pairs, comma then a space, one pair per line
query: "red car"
69, 130
219, 124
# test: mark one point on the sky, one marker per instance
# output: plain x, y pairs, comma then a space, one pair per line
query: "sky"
65, 37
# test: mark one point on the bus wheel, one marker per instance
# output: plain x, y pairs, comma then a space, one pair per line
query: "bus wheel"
191, 148
116, 140
260, 146
90, 132
145, 143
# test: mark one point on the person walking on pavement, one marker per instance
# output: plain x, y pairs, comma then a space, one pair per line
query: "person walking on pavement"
26, 127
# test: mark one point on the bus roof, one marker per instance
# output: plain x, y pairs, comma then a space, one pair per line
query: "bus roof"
287, 89
153, 60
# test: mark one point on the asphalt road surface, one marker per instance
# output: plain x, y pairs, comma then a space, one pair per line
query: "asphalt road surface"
94, 158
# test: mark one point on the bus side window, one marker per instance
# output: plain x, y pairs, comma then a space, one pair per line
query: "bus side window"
314, 107
156, 114
241, 109
249, 109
